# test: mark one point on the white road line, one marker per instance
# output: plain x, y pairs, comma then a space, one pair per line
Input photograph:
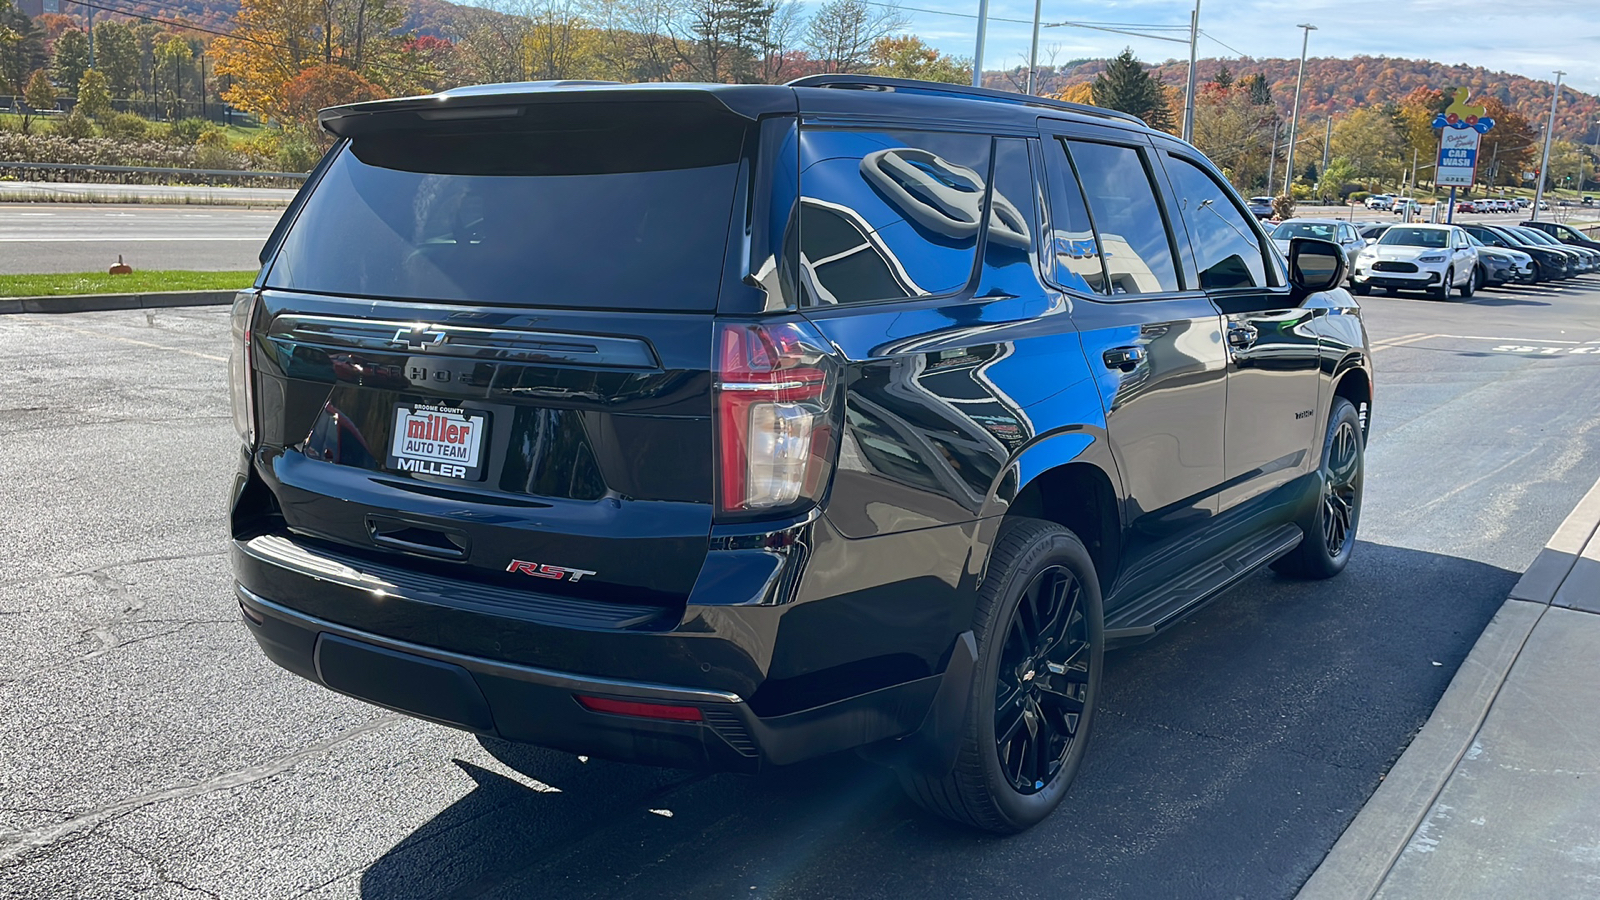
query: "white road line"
1401, 342
1502, 340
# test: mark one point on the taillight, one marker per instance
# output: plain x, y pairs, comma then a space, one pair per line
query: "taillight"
241, 360
775, 431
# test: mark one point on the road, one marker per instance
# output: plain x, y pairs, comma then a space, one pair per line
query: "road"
88, 237
148, 749
81, 192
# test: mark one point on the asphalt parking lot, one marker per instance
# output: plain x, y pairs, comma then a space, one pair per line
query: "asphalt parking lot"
147, 749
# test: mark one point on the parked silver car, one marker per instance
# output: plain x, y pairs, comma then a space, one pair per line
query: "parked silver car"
1340, 232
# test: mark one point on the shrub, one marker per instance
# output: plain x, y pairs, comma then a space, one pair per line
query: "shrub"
213, 150
126, 126
187, 131
1283, 206
94, 98
1359, 196
296, 154
75, 126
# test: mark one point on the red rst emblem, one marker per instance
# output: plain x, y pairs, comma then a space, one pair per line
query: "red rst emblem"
538, 570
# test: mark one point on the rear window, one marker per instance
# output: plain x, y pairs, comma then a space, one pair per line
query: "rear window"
617, 205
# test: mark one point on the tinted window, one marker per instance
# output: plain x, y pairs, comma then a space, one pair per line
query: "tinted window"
1133, 235
889, 215
1226, 248
1071, 240
1415, 237
1009, 257
580, 212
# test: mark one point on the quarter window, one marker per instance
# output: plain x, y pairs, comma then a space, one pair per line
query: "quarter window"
1009, 251
1132, 233
1074, 252
1226, 249
889, 215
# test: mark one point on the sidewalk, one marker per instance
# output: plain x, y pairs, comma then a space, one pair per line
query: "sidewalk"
182, 194
1499, 795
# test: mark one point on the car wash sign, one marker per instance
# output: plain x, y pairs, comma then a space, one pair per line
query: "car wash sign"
1460, 128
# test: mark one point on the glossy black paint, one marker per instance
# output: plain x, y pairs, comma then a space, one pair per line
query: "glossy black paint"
1192, 412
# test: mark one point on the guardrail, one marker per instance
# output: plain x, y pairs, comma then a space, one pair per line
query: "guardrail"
150, 170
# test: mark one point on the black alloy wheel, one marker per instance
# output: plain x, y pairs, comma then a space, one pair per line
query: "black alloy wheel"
1042, 686
1442, 290
1040, 632
1330, 523
1537, 274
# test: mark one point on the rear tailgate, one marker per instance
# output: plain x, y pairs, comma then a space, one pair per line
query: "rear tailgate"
484, 347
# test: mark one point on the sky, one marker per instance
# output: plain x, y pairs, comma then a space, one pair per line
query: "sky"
1527, 37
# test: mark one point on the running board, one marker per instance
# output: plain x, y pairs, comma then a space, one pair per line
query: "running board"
1165, 605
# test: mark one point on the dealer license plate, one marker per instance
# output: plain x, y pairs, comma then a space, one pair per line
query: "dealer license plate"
438, 440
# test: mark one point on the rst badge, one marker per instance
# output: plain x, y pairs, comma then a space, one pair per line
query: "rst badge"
539, 570
438, 440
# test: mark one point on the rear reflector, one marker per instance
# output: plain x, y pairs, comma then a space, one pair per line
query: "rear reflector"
640, 710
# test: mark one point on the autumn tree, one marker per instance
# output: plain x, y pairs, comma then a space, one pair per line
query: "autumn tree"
1413, 123
908, 57
1256, 88
1126, 86
94, 99
1367, 139
1235, 132
842, 33
71, 57
1082, 92
273, 41
39, 96
1510, 148
318, 87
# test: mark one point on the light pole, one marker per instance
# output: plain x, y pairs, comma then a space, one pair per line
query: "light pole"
1294, 118
1033, 52
977, 55
1188, 98
1544, 159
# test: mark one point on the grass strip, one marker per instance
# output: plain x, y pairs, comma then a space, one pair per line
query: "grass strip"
140, 282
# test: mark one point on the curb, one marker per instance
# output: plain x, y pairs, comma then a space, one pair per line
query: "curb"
1363, 856
71, 303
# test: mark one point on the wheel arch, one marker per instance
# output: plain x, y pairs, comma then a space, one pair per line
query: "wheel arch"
1071, 480
1352, 382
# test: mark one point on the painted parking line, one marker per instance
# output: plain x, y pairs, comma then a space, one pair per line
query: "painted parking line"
128, 340
1400, 341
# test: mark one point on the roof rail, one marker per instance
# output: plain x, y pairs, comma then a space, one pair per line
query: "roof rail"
909, 86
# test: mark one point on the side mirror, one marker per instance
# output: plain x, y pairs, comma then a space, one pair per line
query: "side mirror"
1315, 265
1370, 241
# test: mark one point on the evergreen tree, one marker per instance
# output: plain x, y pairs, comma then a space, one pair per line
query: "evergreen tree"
1310, 174
1257, 89
72, 58
21, 47
1127, 87
1224, 78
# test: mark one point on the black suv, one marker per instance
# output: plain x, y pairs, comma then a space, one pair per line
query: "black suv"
728, 426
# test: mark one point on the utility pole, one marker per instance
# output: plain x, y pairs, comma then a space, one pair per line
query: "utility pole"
1033, 52
91, 35
1327, 142
1294, 121
977, 54
1272, 158
1188, 97
1544, 160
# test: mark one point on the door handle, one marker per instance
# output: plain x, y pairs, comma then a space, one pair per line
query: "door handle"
1242, 337
1124, 358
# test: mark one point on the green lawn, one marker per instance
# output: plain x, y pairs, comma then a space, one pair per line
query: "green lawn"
137, 283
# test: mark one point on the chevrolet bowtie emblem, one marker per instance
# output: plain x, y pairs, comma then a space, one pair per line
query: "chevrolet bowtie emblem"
418, 337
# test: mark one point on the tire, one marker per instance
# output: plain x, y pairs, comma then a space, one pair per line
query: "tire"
1046, 698
1442, 292
1330, 526
1537, 274
1361, 290
1471, 286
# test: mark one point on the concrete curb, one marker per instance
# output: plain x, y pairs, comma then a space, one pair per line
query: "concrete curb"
1363, 856
71, 303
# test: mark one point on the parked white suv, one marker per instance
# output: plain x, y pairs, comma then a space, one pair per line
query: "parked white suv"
1380, 201
1432, 258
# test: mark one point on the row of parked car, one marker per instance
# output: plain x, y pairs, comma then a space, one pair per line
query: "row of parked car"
1438, 259
1391, 203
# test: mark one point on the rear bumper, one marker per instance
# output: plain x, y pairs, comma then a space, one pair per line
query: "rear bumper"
541, 706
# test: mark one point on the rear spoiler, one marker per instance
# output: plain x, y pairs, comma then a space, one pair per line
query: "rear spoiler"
493, 101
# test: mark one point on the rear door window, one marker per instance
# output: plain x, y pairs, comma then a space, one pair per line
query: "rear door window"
619, 205
1133, 236
1226, 249
889, 215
